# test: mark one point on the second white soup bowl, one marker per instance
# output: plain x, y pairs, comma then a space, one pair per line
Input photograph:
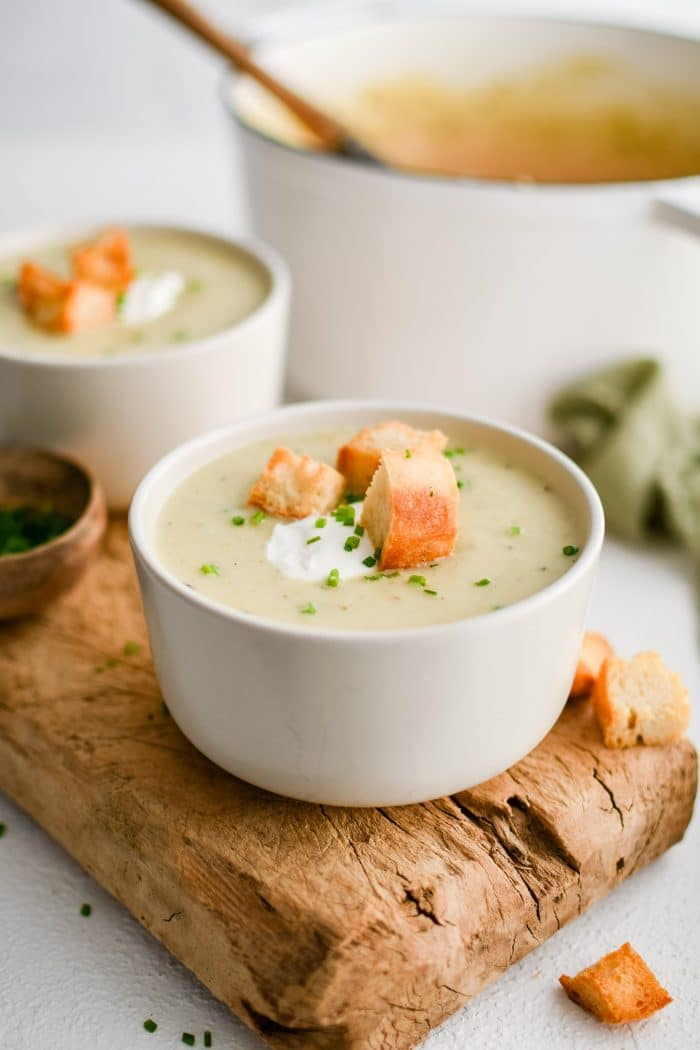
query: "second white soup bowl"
118, 415
360, 717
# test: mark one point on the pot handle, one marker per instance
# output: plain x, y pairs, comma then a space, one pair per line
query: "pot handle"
678, 216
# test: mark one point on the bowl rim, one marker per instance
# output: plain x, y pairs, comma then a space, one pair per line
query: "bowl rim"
273, 264
388, 16
93, 503
144, 552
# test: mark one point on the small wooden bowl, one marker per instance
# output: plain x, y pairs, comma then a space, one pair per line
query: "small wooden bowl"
34, 477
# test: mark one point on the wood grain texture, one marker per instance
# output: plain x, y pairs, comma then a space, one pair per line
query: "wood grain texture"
320, 927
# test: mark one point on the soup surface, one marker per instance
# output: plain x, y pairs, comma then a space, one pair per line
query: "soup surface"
516, 536
583, 119
220, 286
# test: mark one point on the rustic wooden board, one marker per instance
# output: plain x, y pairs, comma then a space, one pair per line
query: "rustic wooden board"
320, 927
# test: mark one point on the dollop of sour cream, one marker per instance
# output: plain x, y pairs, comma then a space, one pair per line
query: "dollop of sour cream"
150, 295
291, 552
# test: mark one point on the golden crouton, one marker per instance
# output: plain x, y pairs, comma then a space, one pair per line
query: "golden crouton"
640, 702
410, 510
106, 262
594, 650
63, 306
358, 460
619, 988
293, 486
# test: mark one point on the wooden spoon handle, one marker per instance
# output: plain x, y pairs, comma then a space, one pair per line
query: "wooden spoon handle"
331, 134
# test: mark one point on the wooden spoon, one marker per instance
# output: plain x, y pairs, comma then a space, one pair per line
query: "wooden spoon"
32, 477
332, 136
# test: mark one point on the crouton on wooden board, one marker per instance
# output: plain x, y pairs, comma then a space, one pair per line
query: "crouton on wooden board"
595, 649
640, 701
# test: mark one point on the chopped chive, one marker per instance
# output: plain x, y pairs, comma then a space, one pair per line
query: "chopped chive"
256, 518
344, 515
131, 648
3, 829
150, 1025
86, 910
188, 1039
350, 497
378, 553
308, 610
459, 451
314, 539
407, 453
333, 578
419, 580
359, 530
570, 550
179, 335
320, 523
207, 1039
369, 561
120, 300
460, 483
482, 583
111, 662
391, 575
495, 608
448, 453
374, 576
426, 590
351, 543
209, 570
238, 519
515, 530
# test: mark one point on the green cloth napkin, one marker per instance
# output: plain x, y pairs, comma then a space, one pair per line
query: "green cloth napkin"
639, 449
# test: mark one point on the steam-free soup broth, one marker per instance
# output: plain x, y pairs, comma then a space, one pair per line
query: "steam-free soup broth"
516, 536
216, 285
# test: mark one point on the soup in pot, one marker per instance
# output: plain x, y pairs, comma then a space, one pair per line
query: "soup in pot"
583, 119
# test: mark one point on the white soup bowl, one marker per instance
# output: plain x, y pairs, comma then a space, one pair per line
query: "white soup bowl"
364, 717
120, 414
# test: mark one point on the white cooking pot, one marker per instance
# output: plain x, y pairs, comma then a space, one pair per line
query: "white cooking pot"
483, 296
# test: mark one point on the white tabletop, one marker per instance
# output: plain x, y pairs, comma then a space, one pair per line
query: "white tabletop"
68, 982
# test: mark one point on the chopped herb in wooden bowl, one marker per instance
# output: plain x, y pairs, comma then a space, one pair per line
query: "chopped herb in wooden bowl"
23, 528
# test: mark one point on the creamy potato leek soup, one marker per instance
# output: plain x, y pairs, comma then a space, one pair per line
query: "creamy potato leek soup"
142, 288
510, 534
585, 118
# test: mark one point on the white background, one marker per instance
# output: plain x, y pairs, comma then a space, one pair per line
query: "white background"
106, 110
